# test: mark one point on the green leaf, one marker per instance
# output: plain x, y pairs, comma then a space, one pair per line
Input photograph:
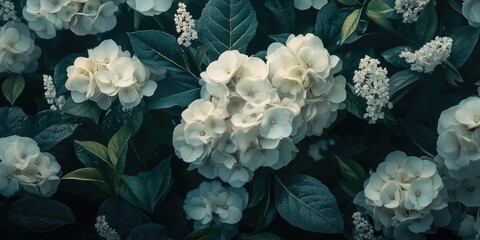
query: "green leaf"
86, 109
85, 174
37, 214
13, 87
378, 6
116, 117
204, 234
452, 74
97, 149
260, 183
259, 236
425, 138
403, 79
11, 121
351, 170
158, 182
351, 188
226, 25
392, 56
379, 19
281, 38
159, 49
117, 146
456, 5
120, 216
178, 90
327, 24
149, 231
283, 10
306, 203
349, 2
426, 26
350, 24
464, 40
134, 190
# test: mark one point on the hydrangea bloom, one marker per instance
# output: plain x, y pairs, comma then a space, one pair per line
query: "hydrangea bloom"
471, 11
83, 17
306, 4
108, 73
410, 9
404, 193
211, 203
372, 83
185, 25
23, 165
458, 144
18, 52
430, 55
150, 7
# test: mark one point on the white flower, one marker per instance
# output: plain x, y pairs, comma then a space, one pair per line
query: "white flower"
7, 11
430, 55
471, 11
185, 25
223, 69
276, 123
18, 52
8, 183
40, 176
363, 229
306, 4
372, 83
104, 230
18, 151
56, 103
150, 7
410, 9
212, 202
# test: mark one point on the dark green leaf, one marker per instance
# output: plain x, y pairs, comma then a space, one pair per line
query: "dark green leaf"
204, 234
158, 182
350, 24
159, 49
426, 26
37, 214
120, 216
134, 190
452, 74
349, 2
260, 183
54, 134
11, 121
281, 38
117, 145
178, 90
116, 117
392, 56
227, 25
351, 170
425, 138
86, 109
13, 87
149, 231
403, 79
283, 10
327, 24
351, 188
259, 236
97, 149
464, 40
307, 204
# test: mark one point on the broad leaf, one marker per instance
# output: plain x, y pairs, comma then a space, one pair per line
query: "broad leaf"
37, 214
351, 170
307, 204
97, 149
464, 40
204, 234
158, 182
11, 121
116, 117
392, 56
159, 49
177, 90
426, 26
350, 24
149, 231
88, 109
13, 87
283, 10
120, 216
259, 236
327, 24
134, 190
349, 2
226, 25
117, 146
260, 183
403, 79
425, 138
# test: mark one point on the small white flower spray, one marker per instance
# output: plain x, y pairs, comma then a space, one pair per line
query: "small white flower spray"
410, 9
185, 25
56, 103
430, 55
104, 230
7, 11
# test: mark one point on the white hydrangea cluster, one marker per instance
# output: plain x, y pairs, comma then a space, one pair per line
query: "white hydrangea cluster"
185, 25
23, 165
404, 193
363, 230
56, 103
471, 11
410, 9
108, 73
150, 7
211, 203
82, 17
315, 150
372, 83
306, 4
430, 55
104, 230
458, 143
304, 75
7, 11
18, 52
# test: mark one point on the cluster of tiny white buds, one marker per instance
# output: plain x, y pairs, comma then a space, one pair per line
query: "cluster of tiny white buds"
372, 83
363, 229
410, 9
430, 55
7, 11
104, 230
56, 103
185, 25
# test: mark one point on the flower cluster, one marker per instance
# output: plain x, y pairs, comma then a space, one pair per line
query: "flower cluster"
7, 11
430, 55
108, 73
150, 7
23, 165
372, 83
82, 17
404, 193
104, 230
306, 4
410, 9
471, 12
18, 52
185, 25
56, 103
363, 230
211, 203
